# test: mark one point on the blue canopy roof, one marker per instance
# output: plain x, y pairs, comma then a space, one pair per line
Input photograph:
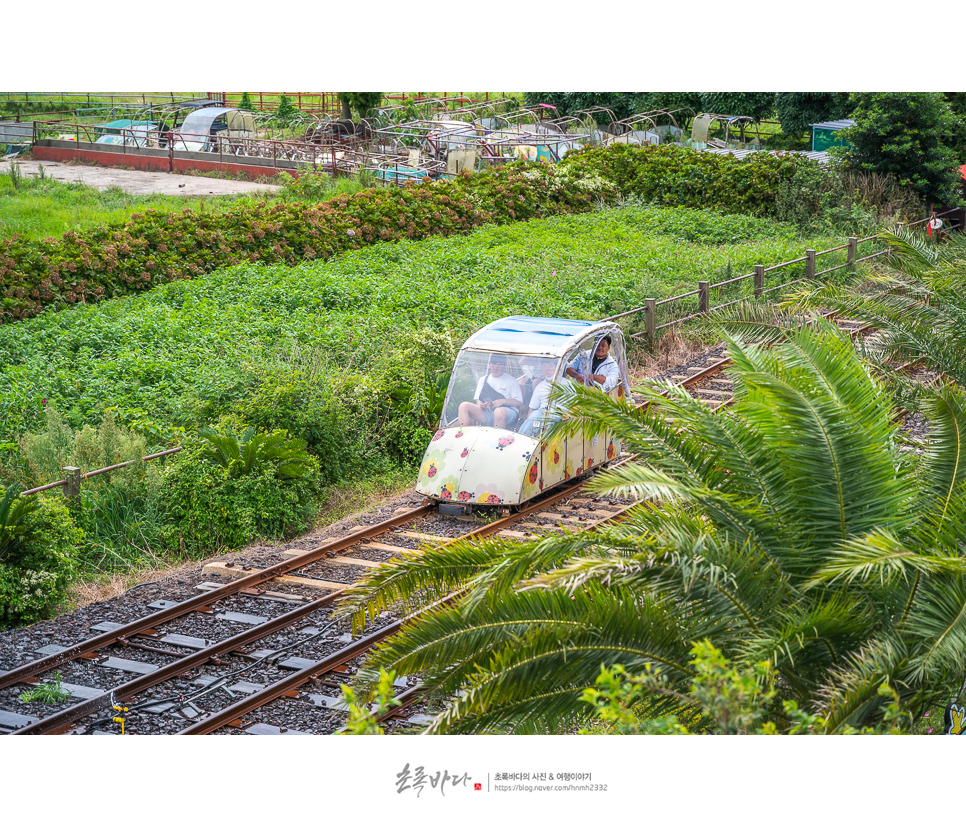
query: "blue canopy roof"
534, 336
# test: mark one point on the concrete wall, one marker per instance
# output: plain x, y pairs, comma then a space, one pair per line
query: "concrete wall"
156, 159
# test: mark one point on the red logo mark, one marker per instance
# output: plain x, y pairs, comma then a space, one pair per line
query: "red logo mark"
477, 786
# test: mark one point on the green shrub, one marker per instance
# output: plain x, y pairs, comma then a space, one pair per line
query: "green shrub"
255, 451
38, 565
304, 405
208, 507
409, 384
672, 176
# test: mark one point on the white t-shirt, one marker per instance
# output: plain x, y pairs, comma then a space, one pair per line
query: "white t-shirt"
506, 384
541, 395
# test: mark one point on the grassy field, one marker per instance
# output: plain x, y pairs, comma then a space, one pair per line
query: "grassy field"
154, 358
39, 208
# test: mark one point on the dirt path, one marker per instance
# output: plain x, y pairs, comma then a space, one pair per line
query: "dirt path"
135, 182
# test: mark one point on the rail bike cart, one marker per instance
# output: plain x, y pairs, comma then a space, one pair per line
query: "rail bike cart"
472, 462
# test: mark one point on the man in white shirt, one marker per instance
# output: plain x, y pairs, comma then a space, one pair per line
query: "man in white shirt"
601, 371
498, 396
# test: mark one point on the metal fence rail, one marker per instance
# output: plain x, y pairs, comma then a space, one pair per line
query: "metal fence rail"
704, 288
72, 482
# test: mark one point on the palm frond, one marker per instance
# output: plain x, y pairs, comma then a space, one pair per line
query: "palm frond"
851, 698
881, 558
943, 468
936, 629
530, 655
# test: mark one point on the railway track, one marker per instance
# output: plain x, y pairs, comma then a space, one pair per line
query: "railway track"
705, 377
260, 644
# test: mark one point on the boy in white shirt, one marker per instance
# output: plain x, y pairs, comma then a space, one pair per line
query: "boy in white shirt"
533, 425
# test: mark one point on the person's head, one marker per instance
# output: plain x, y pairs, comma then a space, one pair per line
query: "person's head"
497, 364
548, 367
603, 347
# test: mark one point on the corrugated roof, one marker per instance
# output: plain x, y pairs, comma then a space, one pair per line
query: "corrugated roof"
840, 124
819, 156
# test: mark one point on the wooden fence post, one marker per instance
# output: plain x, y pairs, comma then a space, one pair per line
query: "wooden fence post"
853, 251
650, 308
72, 487
759, 280
703, 296
809, 264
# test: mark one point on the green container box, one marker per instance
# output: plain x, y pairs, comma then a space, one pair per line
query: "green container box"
825, 135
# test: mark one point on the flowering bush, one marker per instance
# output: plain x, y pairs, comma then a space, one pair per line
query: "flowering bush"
36, 571
157, 248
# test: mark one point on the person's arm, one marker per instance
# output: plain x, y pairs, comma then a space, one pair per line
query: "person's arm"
573, 370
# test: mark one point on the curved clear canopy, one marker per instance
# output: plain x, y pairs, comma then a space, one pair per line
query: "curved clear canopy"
532, 350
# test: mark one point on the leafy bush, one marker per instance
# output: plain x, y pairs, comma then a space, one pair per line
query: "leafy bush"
253, 452
286, 111
207, 507
675, 176
909, 136
723, 699
304, 405
37, 565
156, 248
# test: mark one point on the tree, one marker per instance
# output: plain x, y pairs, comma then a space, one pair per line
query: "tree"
792, 529
756, 105
286, 111
360, 103
907, 135
796, 111
246, 102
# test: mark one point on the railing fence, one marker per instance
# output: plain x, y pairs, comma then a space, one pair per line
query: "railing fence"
704, 288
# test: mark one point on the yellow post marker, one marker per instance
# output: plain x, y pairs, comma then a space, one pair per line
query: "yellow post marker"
119, 719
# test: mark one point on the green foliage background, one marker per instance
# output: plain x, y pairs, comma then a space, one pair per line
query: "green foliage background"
910, 136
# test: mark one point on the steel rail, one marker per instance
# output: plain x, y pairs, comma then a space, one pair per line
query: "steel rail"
60, 721
255, 578
258, 699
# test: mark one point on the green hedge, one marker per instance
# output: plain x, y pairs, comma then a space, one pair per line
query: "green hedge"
157, 248
673, 176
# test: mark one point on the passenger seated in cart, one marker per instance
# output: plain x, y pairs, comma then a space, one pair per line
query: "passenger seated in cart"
498, 398
537, 420
601, 371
